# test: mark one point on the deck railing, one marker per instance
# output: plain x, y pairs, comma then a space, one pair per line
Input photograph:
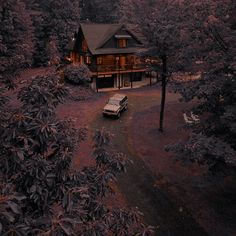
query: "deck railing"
107, 68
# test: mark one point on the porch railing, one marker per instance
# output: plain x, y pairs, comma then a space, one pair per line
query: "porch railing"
107, 68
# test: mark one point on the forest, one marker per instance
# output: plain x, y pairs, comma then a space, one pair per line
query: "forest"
43, 193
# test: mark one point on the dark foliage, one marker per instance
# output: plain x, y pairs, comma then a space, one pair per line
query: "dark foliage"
55, 23
212, 142
197, 36
99, 11
15, 49
40, 193
78, 74
161, 23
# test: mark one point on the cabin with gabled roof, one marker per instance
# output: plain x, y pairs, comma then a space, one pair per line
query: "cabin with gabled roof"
111, 53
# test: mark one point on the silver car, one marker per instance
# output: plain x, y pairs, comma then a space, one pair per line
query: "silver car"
115, 105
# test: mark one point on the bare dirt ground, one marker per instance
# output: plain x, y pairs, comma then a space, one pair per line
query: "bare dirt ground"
176, 199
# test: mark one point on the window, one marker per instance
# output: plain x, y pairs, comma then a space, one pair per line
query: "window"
88, 60
84, 46
99, 60
122, 43
122, 61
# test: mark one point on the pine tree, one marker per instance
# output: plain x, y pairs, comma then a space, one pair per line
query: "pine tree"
54, 22
16, 37
99, 11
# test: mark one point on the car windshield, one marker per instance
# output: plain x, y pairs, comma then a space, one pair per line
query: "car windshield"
114, 102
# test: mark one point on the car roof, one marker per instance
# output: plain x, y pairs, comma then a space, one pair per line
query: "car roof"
118, 96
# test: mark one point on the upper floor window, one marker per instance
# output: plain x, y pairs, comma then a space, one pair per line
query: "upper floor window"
122, 43
84, 46
99, 60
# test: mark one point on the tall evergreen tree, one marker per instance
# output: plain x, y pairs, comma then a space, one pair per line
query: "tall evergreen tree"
99, 11
55, 22
16, 37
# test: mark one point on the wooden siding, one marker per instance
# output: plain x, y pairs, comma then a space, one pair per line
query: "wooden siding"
107, 60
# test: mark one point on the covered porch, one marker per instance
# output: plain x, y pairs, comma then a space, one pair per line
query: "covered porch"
107, 82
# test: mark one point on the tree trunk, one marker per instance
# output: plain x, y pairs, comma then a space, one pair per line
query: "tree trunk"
163, 93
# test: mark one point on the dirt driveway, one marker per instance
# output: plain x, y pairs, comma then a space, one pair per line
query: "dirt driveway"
169, 195
164, 191
139, 184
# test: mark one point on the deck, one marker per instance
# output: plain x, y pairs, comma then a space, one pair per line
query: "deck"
112, 69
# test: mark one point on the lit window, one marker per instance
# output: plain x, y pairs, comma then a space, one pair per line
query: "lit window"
99, 60
122, 43
88, 60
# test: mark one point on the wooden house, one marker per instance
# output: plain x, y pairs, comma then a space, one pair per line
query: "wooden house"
111, 53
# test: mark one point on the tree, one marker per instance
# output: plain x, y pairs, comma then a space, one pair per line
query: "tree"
99, 11
55, 23
161, 23
53, 53
212, 34
15, 49
196, 37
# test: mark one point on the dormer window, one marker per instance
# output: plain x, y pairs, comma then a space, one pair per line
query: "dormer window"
122, 43
122, 40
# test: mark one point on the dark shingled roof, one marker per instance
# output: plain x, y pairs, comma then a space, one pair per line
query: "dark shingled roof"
97, 35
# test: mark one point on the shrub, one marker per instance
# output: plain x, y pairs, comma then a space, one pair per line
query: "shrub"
40, 192
78, 74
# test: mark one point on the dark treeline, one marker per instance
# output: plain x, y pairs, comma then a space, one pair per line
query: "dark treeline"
192, 37
37, 32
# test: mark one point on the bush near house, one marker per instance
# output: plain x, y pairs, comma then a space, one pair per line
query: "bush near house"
78, 74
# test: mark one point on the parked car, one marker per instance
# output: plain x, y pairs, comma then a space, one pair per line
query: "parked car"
115, 105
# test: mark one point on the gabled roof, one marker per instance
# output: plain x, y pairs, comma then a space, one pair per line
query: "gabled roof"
96, 35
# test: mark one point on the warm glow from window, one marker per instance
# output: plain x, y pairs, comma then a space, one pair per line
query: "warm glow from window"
88, 60
122, 43
99, 60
